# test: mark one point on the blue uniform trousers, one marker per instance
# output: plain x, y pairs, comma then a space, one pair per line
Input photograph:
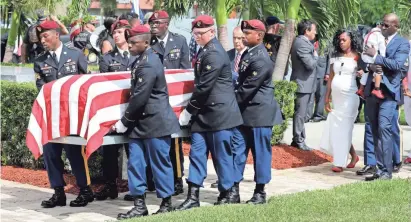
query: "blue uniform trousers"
240, 153
259, 140
55, 165
155, 152
369, 153
219, 143
380, 114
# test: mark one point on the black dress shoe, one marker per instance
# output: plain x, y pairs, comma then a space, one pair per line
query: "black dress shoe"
165, 206
378, 177
258, 197
300, 146
178, 187
58, 199
139, 209
396, 168
318, 119
84, 197
367, 170
215, 184
128, 197
193, 198
109, 191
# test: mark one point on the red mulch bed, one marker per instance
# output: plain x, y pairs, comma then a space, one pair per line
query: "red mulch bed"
284, 157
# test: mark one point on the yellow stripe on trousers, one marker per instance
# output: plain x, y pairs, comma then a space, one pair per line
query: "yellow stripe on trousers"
178, 164
83, 153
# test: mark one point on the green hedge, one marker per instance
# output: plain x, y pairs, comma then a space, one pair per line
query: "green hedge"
16, 102
284, 94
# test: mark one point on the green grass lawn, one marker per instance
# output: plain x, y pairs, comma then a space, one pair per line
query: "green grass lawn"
371, 201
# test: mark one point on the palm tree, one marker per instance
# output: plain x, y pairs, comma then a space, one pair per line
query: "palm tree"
220, 8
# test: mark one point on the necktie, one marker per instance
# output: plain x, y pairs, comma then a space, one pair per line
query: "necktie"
125, 54
162, 44
386, 41
54, 56
237, 62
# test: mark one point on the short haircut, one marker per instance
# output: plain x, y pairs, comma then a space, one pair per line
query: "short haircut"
304, 25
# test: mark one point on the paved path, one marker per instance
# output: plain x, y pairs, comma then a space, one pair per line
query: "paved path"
21, 202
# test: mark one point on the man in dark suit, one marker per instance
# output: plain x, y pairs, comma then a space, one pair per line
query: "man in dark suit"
55, 62
214, 113
259, 109
381, 112
304, 62
317, 98
119, 59
152, 121
173, 52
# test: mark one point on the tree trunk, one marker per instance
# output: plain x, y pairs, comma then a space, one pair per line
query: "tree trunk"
221, 18
286, 40
15, 23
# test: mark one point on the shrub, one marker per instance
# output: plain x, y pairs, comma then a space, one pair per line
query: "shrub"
284, 94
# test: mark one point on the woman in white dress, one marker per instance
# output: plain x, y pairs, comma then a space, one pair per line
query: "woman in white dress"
341, 91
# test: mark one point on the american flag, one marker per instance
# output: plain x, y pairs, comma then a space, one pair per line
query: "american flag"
88, 105
193, 49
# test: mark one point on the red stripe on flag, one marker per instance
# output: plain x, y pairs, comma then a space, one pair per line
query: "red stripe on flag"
177, 110
65, 106
37, 112
82, 100
95, 141
179, 88
47, 100
176, 71
32, 145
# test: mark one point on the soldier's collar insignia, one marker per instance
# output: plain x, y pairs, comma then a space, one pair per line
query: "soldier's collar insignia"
144, 57
140, 79
171, 40
254, 73
208, 67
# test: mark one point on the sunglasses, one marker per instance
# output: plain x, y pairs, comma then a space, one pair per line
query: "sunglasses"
385, 25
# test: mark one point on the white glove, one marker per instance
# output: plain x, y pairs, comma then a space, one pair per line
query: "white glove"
185, 118
315, 53
119, 127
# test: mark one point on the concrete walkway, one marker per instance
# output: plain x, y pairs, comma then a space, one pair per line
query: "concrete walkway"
21, 202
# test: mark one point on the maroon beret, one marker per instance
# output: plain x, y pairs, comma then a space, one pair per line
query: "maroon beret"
158, 15
47, 25
136, 30
120, 24
202, 21
253, 24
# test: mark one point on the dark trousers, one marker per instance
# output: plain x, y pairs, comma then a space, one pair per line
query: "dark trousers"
301, 103
381, 114
55, 165
110, 161
317, 101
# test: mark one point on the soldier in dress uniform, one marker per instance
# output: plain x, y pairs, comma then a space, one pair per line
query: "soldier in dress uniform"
259, 109
152, 120
82, 42
173, 52
56, 62
214, 113
271, 38
119, 59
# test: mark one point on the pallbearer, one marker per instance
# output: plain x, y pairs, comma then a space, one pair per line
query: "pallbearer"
153, 121
259, 109
56, 62
214, 113
173, 51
